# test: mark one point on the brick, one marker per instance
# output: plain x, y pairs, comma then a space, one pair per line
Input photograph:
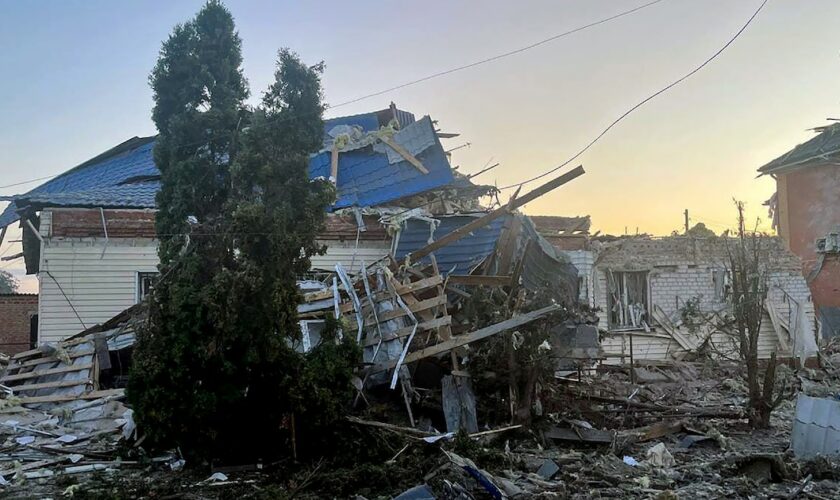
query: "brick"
16, 310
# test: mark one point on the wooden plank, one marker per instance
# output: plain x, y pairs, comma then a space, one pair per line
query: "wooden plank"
413, 287
479, 280
51, 371
61, 399
410, 158
506, 246
52, 359
423, 305
334, 165
103, 357
482, 221
50, 385
580, 434
662, 318
405, 332
777, 325
468, 338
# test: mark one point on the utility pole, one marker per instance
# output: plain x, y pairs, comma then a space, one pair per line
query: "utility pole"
686, 220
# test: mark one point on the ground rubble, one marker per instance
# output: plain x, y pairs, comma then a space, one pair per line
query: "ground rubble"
436, 415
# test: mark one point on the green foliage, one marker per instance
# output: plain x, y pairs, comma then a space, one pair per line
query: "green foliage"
213, 370
8, 283
700, 230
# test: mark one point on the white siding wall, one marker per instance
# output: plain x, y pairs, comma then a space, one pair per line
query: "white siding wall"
583, 260
98, 285
349, 256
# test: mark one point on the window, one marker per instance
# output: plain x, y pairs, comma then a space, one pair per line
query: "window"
720, 280
628, 298
145, 283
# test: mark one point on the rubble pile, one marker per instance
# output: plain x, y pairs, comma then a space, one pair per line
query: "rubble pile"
61, 411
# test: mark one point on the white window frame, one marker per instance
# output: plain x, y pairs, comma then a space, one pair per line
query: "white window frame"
138, 283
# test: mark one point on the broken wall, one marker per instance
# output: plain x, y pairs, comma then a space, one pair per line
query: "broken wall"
681, 269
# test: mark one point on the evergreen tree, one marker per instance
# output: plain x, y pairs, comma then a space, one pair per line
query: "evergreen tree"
213, 370
180, 385
8, 283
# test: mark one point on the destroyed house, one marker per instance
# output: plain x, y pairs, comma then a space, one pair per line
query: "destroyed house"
644, 289
806, 215
647, 288
88, 234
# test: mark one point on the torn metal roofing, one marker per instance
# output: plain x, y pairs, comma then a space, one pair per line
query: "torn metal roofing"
816, 427
372, 121
459, 257
127, 177
824, 147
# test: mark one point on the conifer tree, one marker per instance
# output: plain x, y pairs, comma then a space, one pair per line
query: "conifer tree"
214, 372
180, 386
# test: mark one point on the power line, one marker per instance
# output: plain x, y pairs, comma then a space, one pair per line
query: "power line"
29, 181
425, 78
498, 56
641, 103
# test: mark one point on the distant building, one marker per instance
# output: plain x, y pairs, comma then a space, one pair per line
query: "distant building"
641, 285
806, 214
18, 322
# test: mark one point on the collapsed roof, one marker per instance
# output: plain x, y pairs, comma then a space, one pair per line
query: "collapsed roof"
371, 172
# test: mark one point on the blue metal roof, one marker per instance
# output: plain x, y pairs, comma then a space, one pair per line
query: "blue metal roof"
366, 178
462, 255
95, 179
125, 176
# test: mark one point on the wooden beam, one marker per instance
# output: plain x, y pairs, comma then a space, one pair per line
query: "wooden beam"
662, 318
61, 399
413, 287
410, 158
41, 373
405, 332
420, 306
50, 385
51, 359
334, 165
465, 339
482, 221
479, 280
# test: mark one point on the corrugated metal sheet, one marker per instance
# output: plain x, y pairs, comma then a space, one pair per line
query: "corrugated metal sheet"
816, 427
101, 179
365, 178
460, 257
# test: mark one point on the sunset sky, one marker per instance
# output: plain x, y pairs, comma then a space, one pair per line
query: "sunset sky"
75, 84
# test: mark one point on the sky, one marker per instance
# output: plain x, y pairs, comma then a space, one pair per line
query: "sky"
75, 83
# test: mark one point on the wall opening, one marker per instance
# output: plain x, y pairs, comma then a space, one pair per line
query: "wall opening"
628, 299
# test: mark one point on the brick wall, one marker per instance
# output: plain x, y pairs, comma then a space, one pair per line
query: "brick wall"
16, 311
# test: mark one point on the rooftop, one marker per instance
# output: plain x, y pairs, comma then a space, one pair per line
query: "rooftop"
824, 147
372, 174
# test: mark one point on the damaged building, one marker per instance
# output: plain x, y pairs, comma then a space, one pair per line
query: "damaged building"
806, 215
89, 236
645, 290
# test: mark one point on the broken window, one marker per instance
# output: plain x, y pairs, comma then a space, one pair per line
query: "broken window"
145, 283
720, 280
628, 298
